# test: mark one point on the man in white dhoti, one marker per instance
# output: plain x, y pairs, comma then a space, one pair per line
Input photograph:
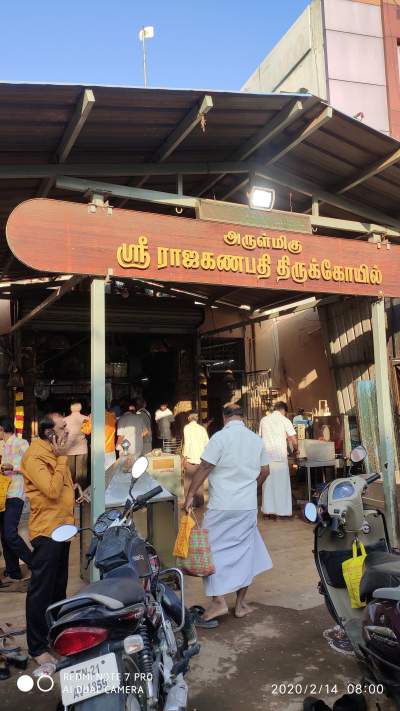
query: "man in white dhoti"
235, 462
276, 431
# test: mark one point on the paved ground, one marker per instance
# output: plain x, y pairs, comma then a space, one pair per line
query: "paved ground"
280, 644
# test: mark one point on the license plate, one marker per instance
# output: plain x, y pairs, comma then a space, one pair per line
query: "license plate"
90, 678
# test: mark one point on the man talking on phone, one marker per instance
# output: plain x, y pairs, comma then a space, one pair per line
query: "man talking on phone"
50, 489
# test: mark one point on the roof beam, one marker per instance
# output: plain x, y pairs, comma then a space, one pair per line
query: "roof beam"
184, 128
267, 133
80, 185
178, 135
306, 187
57, 294
301, 135
361, 228
120, 170
275, 313
224, 293
75, 125
71, 133
370, 171
281, 177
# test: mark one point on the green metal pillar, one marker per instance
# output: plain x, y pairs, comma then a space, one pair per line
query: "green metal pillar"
98, 357
385, 419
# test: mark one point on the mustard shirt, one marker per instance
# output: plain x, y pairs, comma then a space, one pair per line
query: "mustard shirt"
49, 488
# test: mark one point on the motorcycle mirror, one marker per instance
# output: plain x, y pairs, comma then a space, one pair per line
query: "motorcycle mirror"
310, 512
139, 467
358, 454
63, 533
125, 445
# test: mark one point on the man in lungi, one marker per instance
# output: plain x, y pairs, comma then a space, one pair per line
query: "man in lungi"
235, 462
277, 431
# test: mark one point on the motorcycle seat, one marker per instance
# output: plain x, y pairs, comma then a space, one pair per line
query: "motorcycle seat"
115, 592
381, 570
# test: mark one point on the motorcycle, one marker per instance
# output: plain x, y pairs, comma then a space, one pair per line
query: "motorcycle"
125, 641
373, 631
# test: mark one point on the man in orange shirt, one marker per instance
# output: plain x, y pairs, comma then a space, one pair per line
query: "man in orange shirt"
109, 436
50, 490
109, 447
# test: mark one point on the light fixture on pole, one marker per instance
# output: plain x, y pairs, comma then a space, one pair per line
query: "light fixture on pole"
144, 34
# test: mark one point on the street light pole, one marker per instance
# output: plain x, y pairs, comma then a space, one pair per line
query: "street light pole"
144, 57
145, 33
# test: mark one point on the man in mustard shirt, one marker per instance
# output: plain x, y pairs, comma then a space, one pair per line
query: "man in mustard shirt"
49, 487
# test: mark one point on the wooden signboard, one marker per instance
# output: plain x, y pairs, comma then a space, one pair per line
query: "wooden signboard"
70, 238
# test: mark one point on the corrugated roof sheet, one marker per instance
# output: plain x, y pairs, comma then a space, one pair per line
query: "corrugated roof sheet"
129, 125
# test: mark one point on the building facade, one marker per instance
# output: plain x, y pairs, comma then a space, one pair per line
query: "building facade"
347, 53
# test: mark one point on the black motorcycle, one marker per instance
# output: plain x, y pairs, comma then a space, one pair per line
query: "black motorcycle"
125, 641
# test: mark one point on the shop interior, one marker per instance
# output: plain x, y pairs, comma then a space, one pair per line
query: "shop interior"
155, 349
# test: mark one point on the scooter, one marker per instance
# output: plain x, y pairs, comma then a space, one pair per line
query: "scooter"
373, 630
125, 641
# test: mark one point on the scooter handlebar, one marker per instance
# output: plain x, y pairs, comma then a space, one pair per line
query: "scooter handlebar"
373, 477
150, 494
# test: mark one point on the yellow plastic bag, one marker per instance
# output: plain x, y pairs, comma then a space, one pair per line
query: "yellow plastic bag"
352, 573
5, 482
181, 547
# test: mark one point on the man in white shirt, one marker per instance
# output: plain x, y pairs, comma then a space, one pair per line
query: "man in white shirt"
235, 462
195, 439
276, 431
14, 547
141, 410
164, 421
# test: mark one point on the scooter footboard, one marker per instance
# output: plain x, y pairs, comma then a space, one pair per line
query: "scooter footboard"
331, 550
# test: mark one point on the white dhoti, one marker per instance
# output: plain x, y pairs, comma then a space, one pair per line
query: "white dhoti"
239, 553
277, 491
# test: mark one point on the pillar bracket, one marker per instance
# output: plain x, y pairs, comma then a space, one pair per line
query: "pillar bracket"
98, 200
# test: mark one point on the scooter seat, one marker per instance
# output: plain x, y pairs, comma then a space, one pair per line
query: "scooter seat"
381, 570
116, 591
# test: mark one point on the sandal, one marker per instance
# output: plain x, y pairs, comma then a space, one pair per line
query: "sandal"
4, 649
4, 670
7, 630
197, 615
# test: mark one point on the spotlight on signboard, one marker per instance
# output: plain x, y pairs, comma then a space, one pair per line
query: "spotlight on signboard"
261, 198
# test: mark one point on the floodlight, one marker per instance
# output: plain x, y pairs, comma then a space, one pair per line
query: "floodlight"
261, 198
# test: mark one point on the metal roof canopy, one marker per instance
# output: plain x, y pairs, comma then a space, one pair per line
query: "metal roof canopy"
191, 144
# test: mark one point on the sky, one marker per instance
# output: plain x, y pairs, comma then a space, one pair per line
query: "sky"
204, 44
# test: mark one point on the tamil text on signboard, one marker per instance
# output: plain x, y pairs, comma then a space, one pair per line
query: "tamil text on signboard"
62, 237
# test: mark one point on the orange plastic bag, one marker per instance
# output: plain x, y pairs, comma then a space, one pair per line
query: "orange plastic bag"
181, 547
86, 428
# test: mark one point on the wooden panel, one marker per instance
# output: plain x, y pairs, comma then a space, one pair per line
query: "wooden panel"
64, 237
